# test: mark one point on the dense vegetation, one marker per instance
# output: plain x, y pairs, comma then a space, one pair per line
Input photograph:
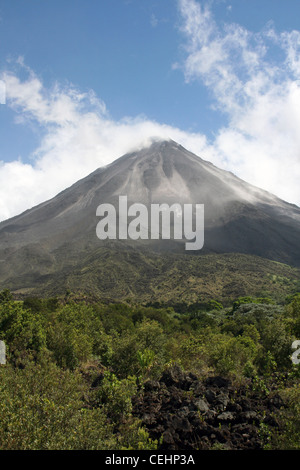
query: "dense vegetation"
73, 367
118, 274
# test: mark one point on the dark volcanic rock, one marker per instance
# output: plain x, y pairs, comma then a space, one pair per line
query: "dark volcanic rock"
190, 414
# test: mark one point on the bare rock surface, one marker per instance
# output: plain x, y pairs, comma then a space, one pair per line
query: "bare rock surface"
190, 414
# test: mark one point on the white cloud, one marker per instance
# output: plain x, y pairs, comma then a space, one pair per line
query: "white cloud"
78, 137
255, 80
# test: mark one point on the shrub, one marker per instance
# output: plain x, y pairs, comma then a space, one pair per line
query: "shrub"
289, 420
115, 395
41, 408
22, 330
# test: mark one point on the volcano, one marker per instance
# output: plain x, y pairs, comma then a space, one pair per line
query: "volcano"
58, 237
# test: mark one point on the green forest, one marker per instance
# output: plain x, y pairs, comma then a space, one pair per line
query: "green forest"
87, 375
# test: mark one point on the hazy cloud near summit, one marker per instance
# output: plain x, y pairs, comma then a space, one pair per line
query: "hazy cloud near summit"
259, 97
78, 137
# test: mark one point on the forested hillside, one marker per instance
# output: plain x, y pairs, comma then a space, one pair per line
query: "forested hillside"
89, 375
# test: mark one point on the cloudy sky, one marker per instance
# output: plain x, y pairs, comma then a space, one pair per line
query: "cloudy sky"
84, 81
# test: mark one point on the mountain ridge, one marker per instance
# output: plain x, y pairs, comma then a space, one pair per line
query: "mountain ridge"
239, 218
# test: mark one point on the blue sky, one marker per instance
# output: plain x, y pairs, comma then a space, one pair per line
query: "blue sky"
88, 80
